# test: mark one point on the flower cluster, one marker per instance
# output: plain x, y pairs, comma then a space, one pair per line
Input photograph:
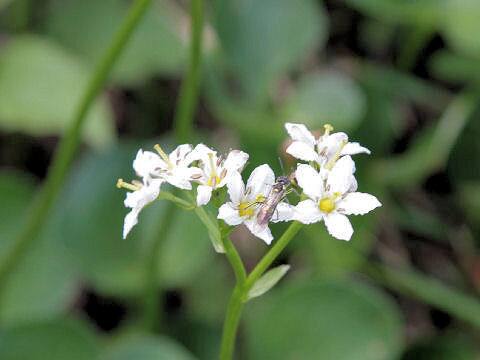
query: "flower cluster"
327, 182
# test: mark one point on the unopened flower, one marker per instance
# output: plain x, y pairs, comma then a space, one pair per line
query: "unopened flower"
245, 202
141, 196
332, 199
174, 168
215, 170
325, 150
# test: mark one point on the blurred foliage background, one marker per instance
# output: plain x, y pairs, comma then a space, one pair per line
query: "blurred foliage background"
399, 76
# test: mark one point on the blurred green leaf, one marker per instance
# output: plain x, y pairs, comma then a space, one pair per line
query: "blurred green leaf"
86, 27
454, 68
328, 97
262, 40
431, 149
267, 281
44, 283
450, 346
429, 290
94, 222
55, 340
145, 347
423, 12
324, 320
460, 26
469, 200
40, 87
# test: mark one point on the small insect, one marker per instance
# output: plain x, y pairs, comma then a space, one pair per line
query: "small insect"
269, 205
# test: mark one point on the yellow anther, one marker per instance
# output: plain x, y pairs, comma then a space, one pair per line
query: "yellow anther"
213, 181
327, 128
245, 209
260, 198
335, 157
122, 184
327, 205
163, 155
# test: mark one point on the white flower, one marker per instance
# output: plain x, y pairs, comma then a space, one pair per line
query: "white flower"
245, 202
325, 150
141, 196
215, 170
333, 198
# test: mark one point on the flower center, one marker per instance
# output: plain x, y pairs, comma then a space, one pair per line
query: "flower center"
327, 205
245, 209
213, 180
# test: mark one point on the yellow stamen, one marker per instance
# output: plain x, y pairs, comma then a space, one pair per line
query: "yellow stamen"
260, 198
163, 155
214, 179
125, 185
245, 209
327, 205
335, 157
327, 128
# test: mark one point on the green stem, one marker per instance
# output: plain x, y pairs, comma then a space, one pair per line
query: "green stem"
189, 92
272, 254
239, 294
235, 261
68, 145
230, 326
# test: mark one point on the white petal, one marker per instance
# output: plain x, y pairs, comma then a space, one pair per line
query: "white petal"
310, 181
143, 196
131, 219
204, 193
353, 148
206, 155
180, 177
299, 132
302, 151
177, 156
262, 232
147, 162
261, 179
338, 226
357, 203
229, 214
307, 212
235, 160
341, 179
283, 212
329, 146
236, 188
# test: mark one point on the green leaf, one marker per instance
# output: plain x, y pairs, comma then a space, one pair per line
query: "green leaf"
460, 24
324, 320
156, 46
420, 12
267, 281
40, 87
449, 346
55, 340
145, 347
45, 273
328, 97
429, 290
263, 39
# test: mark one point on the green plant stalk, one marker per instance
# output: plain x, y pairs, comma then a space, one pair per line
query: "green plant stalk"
189, 91
42, 204
242, 287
